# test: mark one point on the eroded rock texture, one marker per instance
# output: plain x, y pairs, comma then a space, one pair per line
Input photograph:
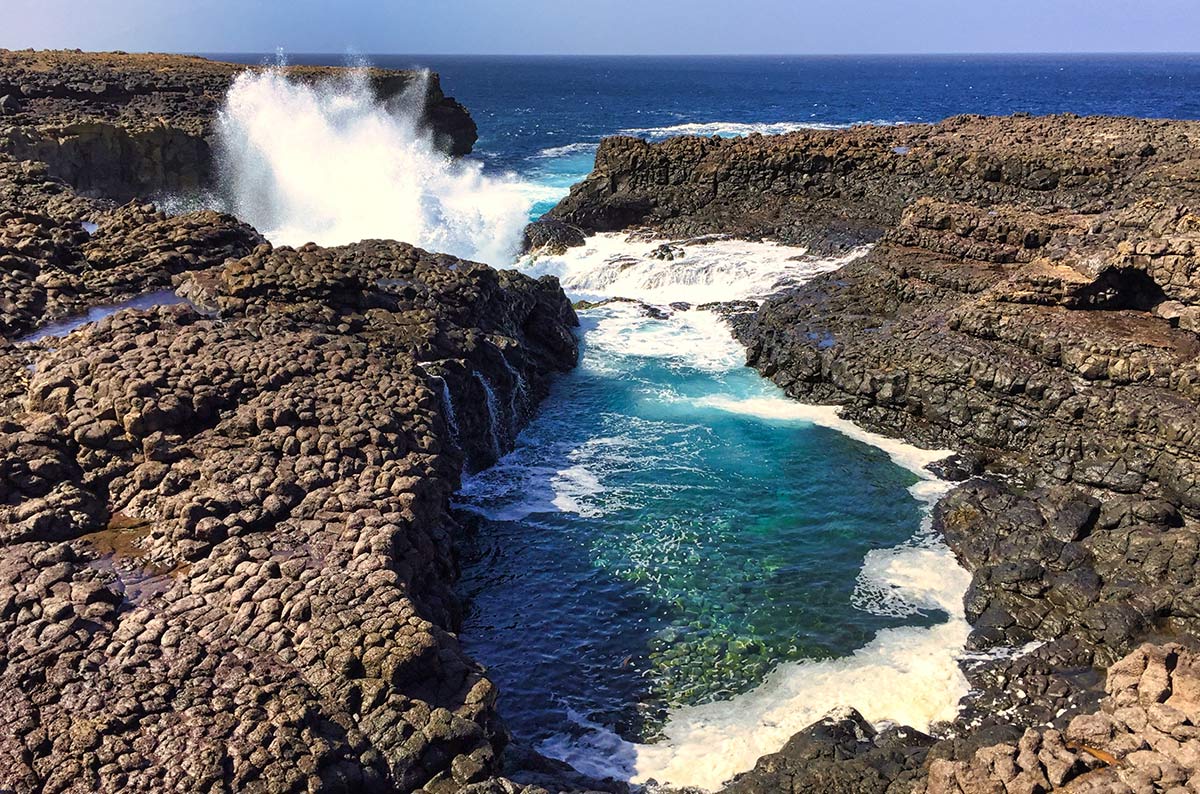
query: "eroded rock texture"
227, 553
123, 125
1145, 738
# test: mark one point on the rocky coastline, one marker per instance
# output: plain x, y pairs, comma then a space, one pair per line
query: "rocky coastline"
123, 126
1032, 299
226, 546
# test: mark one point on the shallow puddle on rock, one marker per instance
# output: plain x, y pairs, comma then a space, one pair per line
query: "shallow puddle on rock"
121, 551
98, 313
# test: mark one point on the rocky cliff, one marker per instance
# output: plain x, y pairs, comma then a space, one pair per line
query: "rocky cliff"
123, 126
1032, 298
836, 188
226, 547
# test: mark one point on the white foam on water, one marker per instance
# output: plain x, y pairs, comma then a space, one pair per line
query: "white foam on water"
332, 164
908, 675
737, 129
905, 675
780, 408
698, 339
573, 486
703, 271
567, 150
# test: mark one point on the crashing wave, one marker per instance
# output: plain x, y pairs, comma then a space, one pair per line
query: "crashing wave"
332, 163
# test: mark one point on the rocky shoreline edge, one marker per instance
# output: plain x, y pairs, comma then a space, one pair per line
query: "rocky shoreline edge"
1032, 299
226, 546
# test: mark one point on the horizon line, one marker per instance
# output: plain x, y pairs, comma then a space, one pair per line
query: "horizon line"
348, 52
947, 54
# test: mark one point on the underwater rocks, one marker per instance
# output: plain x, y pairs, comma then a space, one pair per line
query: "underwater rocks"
123, 125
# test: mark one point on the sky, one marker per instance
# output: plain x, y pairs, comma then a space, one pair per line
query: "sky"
624, 27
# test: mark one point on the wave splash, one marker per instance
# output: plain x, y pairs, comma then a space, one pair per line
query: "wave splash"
701, 270
333, 164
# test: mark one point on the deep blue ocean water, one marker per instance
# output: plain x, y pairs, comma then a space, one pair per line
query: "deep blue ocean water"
670, 532
528, 106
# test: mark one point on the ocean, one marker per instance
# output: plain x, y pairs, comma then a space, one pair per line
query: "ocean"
676, 567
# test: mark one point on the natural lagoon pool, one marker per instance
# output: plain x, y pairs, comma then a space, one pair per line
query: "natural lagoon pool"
671, 532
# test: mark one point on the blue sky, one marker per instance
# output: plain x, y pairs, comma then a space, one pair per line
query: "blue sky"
606, 26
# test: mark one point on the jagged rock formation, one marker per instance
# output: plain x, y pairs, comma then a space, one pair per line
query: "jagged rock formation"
1144, 738
123, 126
1032, 299
226, 551
835, 189
237, 526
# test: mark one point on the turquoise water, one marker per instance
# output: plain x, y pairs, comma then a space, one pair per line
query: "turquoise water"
649, 546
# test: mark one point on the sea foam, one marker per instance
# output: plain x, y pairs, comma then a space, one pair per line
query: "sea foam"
702, 271
909, 674
737, 129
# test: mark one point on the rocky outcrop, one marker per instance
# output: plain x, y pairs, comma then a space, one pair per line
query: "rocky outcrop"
226, 546
1040, 343
126, 126
840, 188
227, 554
1030, 299
1144, 738
50, 270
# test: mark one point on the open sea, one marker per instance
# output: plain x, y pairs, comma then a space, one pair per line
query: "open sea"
677, 567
